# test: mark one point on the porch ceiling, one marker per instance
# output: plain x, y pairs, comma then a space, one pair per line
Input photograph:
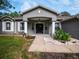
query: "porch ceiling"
39, 18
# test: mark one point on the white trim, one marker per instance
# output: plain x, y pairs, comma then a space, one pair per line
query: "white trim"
25, 26
4, 26
53, 27
19, 24
40, 23
60, 26
14, 27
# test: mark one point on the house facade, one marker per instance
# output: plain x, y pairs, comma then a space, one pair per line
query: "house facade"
36, 20
39, 20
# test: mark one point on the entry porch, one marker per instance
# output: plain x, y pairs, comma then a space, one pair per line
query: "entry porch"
40, 25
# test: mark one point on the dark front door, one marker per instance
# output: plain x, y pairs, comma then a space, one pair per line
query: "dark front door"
39, 28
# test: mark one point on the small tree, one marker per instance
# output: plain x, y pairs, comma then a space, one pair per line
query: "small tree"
14, 14
65, 13
77, 14
4, 4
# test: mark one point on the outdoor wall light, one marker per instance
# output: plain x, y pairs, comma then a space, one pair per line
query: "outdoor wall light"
39, 11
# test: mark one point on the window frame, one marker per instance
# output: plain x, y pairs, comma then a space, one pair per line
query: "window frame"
57, 25
21, 26
8, 25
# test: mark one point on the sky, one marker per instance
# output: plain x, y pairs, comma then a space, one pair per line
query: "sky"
71, 6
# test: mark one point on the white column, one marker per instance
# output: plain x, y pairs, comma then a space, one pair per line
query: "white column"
25, 26
60, 26
18, 26
3, 26
53, 27
14, 26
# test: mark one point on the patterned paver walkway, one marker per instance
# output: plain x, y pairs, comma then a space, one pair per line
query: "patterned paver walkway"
44, 43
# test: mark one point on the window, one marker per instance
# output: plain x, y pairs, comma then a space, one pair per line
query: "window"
22, 26
32, 26
57, 25
8, 25
46, 28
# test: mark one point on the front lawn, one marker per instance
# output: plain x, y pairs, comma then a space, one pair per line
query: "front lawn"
12, 47
16, 47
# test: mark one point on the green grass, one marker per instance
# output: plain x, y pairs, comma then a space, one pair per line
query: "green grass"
11, 47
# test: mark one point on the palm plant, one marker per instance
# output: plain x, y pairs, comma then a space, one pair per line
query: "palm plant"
61, 35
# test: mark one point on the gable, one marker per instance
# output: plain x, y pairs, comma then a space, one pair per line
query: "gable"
39, 12
41, 7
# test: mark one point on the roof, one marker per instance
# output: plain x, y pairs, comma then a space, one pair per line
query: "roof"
6, 17
42, 7
66, 18
18, 17
10, 18
77, 16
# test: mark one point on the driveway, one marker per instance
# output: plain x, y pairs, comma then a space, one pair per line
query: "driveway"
44, 43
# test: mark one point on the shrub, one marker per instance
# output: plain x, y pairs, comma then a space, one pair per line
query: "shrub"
61, 35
